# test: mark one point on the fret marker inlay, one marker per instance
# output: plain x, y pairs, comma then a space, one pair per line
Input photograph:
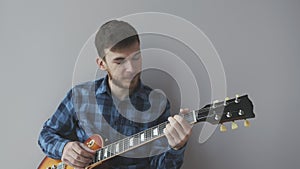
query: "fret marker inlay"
117, 148
155, 132
131, 141
105, 153
142, 137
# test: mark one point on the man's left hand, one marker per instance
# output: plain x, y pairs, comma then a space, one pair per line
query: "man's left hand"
178, 130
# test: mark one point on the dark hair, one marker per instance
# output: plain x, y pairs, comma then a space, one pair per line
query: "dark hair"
115, 35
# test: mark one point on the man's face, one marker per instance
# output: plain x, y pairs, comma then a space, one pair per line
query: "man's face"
123, 66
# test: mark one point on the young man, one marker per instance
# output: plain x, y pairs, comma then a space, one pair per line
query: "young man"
118, 104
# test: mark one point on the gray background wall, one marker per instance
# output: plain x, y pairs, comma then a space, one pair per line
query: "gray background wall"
258, 42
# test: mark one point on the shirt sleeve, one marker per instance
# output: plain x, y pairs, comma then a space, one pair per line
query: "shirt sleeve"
170, 159
52, 138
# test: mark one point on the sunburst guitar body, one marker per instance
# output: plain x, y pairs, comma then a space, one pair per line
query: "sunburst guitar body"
95, 142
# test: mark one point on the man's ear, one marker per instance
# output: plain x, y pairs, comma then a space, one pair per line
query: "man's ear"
101, 63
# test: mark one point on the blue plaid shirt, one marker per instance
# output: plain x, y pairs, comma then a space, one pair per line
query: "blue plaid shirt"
90, 108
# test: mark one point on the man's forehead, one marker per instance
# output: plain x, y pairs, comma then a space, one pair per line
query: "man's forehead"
124, 52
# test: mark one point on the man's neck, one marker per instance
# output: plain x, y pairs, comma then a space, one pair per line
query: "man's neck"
117, 91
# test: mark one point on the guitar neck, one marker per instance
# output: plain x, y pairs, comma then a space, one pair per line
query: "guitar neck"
136, 140
239, 108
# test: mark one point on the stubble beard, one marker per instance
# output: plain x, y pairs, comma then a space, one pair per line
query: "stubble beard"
133, 83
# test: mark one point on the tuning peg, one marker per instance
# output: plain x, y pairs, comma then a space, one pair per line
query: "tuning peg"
225, 101
217, 117
234, 125
228, 114
236, 98
214, 103
241, 113
223, 128
246, 123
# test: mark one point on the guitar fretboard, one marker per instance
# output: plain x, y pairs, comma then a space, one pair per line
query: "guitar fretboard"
135, 140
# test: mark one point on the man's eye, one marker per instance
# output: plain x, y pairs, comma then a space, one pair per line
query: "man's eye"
120, 61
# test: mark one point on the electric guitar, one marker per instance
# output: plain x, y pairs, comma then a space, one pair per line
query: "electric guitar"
229, 110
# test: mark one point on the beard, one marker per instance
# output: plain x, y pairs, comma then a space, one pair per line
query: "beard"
133, 83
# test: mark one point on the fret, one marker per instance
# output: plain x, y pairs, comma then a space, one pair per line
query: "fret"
113, 149
150, 130
190, 117
161, 128
148, 134
136, 139
122, 145
126, 144
109, 150
101, 155
131, 141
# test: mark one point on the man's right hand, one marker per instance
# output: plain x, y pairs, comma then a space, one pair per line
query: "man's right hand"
77, 155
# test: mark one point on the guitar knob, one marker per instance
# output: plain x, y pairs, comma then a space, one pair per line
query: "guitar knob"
52, 167
223, 128
91, 143
234, 125
246, 123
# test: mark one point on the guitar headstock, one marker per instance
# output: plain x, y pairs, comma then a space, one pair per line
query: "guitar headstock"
229, 110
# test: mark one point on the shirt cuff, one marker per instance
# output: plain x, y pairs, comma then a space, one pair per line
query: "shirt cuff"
60, 147
177, 152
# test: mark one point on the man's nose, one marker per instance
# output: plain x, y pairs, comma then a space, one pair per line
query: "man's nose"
129, 66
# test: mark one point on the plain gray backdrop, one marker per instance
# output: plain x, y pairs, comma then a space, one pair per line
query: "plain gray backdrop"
258, 43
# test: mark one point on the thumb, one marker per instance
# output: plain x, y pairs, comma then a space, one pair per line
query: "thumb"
83, 146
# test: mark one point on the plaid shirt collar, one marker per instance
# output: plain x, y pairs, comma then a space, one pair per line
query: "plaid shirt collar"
138, 93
